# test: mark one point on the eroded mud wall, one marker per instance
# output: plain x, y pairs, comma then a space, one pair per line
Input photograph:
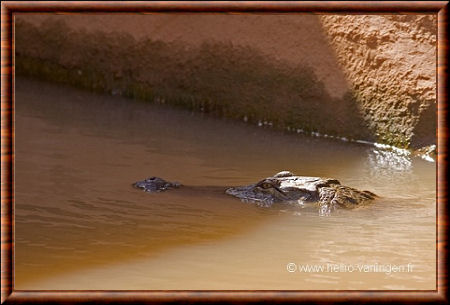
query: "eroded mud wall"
340, 75
390, 62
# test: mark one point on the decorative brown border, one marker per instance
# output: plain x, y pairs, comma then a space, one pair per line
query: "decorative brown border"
9, 8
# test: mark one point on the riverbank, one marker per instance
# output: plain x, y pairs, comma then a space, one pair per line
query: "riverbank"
366, 78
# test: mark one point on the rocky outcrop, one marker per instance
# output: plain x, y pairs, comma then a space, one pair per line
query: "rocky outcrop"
391, 67
360, 77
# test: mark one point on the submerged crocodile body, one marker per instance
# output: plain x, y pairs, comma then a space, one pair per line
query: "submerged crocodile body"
283, 187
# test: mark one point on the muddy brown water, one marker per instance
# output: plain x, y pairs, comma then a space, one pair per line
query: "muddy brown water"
81, 225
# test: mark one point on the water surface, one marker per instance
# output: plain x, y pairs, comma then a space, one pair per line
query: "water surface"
81, 225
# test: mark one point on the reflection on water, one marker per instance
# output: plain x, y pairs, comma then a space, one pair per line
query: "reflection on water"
386, 162
81, 225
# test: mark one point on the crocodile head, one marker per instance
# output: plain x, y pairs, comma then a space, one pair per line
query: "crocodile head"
282, 187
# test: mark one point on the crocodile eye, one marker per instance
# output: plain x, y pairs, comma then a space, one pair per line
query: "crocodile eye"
266, 185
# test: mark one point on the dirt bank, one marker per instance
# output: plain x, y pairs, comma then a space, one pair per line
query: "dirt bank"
362, 77
391, 64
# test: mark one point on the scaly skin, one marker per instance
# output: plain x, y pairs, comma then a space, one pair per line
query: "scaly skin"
284, 187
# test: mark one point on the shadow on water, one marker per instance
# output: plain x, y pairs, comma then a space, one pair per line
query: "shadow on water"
217, 77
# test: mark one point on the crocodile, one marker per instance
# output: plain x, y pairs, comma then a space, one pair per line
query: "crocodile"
283, 187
